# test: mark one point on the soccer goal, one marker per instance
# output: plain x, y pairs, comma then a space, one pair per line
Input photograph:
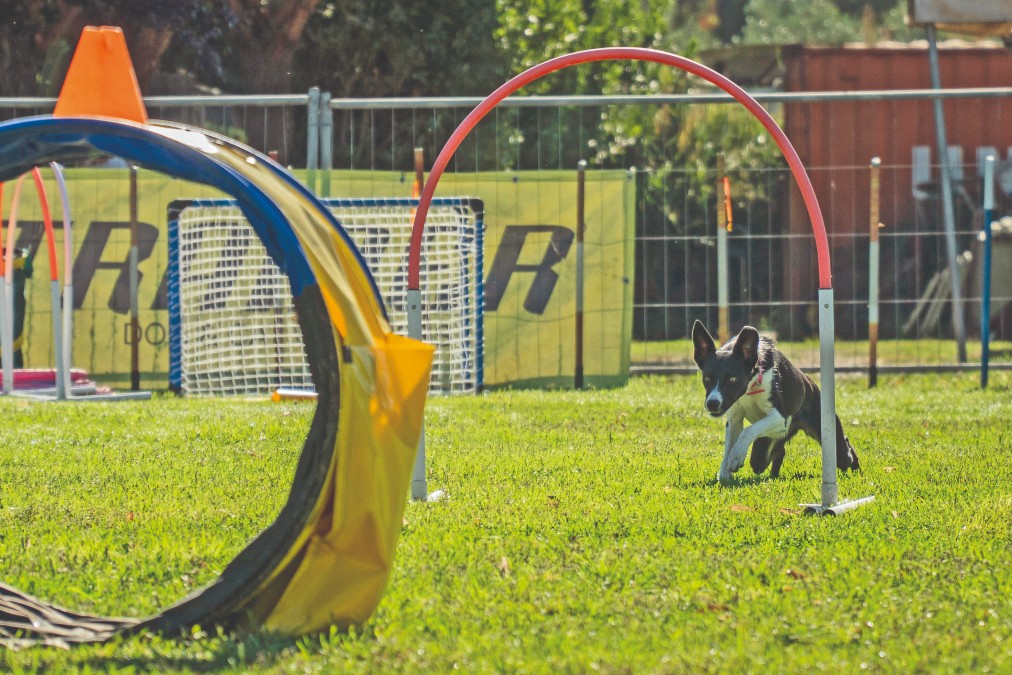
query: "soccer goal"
232, 324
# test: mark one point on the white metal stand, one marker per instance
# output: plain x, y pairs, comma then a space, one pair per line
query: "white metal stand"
827, 383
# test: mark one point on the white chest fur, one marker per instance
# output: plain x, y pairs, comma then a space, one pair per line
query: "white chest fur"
756, 403
765, 421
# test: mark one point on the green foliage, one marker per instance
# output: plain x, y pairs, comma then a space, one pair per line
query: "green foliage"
365, 48
584, 531
816, 22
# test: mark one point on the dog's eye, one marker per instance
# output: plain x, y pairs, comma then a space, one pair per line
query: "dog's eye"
707, 380
732, 380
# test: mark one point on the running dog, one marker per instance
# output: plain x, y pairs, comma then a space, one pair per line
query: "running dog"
750, 379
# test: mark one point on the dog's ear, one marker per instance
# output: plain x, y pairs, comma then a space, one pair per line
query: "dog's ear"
747, 345
703, 343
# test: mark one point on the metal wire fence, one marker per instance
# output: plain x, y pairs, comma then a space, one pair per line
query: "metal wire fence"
670, 144
771, 248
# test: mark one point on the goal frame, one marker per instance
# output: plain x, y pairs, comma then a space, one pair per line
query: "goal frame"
474, 204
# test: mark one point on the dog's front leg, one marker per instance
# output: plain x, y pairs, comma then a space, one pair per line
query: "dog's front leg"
771, 426
732, 431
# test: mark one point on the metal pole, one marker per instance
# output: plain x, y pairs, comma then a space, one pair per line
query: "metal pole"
7, 338
6, 355
419, 485
326, 142
723, 225
827, 364
135, 323
59, 389
68, 283
958, 319
581, 175
313, 137
985, 301
873, 274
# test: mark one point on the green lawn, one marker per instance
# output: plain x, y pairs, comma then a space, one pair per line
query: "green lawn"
583, 531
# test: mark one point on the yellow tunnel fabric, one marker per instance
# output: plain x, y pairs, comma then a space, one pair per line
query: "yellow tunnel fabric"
327, 557
339, 567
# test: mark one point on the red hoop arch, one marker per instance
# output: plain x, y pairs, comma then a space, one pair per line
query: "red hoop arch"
620, 54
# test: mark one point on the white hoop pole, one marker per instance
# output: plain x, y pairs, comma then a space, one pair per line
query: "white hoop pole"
827, 356
419, 488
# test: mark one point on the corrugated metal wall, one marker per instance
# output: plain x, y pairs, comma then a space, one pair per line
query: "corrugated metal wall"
837, 140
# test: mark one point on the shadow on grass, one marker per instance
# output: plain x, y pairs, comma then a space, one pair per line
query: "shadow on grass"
257, 650
739, 481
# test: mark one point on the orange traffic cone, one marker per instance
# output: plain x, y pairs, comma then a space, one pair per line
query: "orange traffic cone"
101, 81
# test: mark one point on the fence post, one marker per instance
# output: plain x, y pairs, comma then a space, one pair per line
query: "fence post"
581, 174
985, 288
873, 272
135, 324
958, 319
312, 137
326, 143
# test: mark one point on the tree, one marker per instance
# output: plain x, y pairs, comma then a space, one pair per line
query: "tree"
37, 38
242, 45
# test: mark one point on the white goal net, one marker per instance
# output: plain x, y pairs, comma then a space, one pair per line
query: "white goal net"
232, 325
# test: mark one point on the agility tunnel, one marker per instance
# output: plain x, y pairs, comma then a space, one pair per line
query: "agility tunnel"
326, 559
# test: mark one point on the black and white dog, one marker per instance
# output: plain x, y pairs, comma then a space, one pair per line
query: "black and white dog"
750, 379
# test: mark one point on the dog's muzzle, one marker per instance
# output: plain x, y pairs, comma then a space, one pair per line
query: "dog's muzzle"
713, 404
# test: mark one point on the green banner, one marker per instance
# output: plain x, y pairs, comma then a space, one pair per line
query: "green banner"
530, 268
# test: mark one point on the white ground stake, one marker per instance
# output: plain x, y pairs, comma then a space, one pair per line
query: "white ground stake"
827, 383
419, 487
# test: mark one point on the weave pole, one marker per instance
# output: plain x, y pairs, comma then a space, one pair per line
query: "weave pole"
873, 273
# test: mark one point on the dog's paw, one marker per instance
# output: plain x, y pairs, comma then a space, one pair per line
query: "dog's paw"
725, 476
735, 459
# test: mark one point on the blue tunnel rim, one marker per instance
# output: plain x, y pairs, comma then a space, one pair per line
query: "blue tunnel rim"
34, 141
